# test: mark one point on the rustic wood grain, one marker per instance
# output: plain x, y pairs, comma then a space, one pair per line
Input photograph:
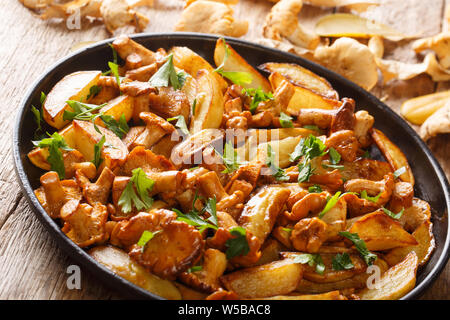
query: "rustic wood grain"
32, 265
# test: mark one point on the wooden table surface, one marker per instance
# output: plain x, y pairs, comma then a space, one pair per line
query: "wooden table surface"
32, 266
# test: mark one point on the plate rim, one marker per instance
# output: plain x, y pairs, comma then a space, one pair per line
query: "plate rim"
95, 268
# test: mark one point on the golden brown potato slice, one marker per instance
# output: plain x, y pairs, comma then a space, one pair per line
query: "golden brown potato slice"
281, 148
122, 105
303, 98
114, 152
74, 86
261, 211
396, 282
333, 295
302, 77
365, 169
276, 278
393, 155
415, 215
190, 294
210, 103
380, 232
186, 59
425, 238
238, 64
38, 156
270, 252
121, 264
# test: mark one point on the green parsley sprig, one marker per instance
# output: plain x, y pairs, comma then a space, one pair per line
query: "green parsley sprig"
310, 259
258, 96
98, 152
393, 215
360, 245
146, 236
277, 172
238, 245
55, 143
309, 148
168, 76
180, 124
285, 120
194, 216
141, 200
238, 77
39, 116
230, 158
342, 261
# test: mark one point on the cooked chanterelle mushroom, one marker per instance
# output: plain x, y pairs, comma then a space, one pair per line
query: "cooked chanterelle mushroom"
211, 17
200, 181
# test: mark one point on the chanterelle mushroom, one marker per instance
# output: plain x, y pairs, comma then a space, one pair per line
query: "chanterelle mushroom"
439, 44
172, 250
117, 14
211, 17
348, 57
439, 122
54, 194
97, 192
282, 22
85, 225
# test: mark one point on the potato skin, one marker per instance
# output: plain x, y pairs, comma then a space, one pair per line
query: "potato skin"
276, 278
120, 263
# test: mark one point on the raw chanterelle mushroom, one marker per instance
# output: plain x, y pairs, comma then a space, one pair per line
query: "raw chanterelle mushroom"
439, 122
211, 17
282, 22
348, 57
115, 13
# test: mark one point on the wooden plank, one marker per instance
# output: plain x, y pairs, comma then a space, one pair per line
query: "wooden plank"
32, 264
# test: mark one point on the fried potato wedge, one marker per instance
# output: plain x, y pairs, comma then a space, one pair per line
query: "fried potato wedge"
365, 169
303, 98
393, 155
210, 103
190, 294
282, 148
235, 63
189, 61
261, 211
75, 86
302, 77
85, 136
394, 283
122, 105
38, 156
276, 278
121, 264
333, 295
380, 232
426, 246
